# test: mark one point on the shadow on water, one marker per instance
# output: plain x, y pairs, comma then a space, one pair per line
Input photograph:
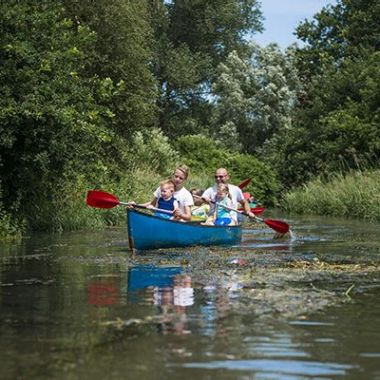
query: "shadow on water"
80, 305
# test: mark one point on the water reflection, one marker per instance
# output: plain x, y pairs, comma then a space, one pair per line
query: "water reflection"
278, 369
103, 292
169, 289
145, 276
78, 306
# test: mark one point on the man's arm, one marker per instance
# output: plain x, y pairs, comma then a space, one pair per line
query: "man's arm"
246, 208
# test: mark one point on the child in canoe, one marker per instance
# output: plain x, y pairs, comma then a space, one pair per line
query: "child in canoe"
167, 200
221, 216
200, 210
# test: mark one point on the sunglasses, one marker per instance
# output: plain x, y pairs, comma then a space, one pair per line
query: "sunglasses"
219, 176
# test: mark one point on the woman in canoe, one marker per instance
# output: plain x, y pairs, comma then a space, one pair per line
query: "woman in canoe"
181, 194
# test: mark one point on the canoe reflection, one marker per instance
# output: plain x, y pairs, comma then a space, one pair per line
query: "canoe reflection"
167, 288
181, 294
144, 276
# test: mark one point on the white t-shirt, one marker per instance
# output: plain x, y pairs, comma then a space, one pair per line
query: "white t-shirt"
183, 197
236, 196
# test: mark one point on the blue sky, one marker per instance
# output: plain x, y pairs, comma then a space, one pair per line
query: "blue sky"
282, 17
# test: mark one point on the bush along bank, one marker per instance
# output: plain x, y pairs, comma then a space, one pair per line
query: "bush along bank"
356, 195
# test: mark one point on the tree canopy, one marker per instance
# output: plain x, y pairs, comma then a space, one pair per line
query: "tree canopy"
335, 126
91, 89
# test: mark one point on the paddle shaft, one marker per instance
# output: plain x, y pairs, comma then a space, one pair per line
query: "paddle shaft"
277, 225
234, 209
149, 208
224, 206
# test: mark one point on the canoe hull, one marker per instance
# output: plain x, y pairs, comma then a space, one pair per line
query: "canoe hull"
147, 232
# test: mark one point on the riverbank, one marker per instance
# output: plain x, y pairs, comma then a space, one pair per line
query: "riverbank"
356, 195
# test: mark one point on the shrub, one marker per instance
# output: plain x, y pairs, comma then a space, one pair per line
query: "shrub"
204, 156
352, 195
151, 149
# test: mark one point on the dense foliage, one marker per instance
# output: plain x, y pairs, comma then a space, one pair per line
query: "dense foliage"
204, 155
114, 94
336, 125
192, 39
57, 113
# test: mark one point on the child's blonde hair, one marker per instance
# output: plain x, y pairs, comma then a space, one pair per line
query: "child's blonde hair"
223, 188
167, 183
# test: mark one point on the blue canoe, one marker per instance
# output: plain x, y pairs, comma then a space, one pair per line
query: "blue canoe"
152, 232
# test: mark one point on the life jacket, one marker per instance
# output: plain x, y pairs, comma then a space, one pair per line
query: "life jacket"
166, 204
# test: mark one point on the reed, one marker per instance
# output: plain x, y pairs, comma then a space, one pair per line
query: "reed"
353, 195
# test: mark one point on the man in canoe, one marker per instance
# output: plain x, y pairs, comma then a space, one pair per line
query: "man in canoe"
236, 195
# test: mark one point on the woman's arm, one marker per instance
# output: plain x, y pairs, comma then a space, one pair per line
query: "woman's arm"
186, 215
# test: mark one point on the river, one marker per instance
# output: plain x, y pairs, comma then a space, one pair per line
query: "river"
81, 306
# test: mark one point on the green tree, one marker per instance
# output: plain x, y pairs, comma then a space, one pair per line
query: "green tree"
192, 38
254, 97
343, 30
335, 124
51, 127
122, 52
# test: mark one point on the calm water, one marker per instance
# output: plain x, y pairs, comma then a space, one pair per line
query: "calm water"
80, 306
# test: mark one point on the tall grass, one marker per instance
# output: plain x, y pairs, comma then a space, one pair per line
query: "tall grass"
67, 210
72, 213
354, 195
62, 206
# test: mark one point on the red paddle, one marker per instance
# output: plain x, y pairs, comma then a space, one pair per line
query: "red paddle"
277, 225
245, 183
101, 199
257, 210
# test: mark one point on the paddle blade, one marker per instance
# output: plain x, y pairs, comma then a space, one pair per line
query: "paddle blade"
245, 183
258, 210
277, 225
101, 199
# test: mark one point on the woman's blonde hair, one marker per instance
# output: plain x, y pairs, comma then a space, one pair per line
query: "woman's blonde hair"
184, 169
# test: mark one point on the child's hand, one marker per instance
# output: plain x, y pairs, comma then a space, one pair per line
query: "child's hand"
149, 206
